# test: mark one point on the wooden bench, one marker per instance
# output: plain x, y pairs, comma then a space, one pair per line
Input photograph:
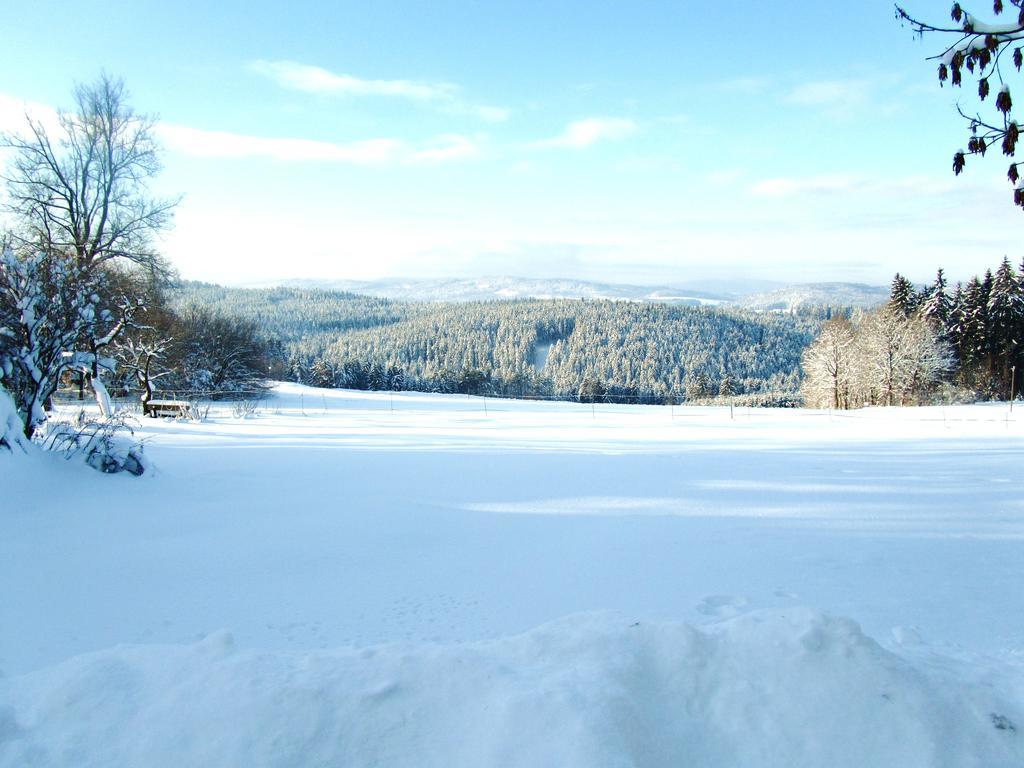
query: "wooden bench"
174, 408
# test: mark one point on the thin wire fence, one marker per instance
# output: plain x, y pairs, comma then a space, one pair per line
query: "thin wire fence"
219, 404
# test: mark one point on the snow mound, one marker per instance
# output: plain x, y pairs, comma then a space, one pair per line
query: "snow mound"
769, 688
12, 433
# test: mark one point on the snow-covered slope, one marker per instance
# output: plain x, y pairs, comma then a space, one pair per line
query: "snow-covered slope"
816, 295
355, 578
494, 288
774, 296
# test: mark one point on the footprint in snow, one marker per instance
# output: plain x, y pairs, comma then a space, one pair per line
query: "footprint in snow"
721, 605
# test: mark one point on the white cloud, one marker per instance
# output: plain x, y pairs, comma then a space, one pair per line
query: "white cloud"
831, 93
13, 112
224, 144
446, 148
589, 131
811, 185
492, 114
312, 79
805, 186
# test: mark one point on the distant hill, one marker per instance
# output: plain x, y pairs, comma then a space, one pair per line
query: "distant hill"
758, 295
496, 288
625, 350
804, 295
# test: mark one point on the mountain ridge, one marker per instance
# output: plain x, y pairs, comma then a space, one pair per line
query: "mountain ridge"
762, 295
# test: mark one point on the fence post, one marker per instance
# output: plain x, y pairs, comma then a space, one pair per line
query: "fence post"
1013, 384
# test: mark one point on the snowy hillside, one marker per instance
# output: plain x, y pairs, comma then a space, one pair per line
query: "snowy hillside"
495, 288
749, 294
799, 296
352, 578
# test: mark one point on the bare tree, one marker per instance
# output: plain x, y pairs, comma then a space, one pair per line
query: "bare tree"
886, 359
828, 365
927, 358
979, 48
144, 358
881, 355
81, 206
82, 193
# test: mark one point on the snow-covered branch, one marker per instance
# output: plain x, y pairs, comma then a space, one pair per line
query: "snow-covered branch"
978, 48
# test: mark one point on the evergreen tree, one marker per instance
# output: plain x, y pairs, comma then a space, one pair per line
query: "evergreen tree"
1006, 318
697, 386
902, 295
375, 380
956, 323
975, 321
394, 378
591, 391
936, 305
355, 375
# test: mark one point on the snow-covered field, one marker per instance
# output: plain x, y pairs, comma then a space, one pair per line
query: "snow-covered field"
353, 578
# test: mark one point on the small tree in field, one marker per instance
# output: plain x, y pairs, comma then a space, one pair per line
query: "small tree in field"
81, 215
828, 365
144, 359
989, 53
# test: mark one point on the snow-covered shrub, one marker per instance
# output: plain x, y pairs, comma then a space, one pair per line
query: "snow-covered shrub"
39, 325
107, 445
216, 356
244, 409
761, 400
197, 410
50, 308
12, 429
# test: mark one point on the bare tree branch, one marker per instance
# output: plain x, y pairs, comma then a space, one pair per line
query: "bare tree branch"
85, 197
978, 48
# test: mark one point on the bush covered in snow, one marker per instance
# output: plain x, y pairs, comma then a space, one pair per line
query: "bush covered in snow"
104, 444
12, 430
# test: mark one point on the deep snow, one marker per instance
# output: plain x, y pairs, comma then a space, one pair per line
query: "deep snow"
445, 527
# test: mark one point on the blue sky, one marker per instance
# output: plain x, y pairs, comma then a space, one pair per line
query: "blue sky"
639, 142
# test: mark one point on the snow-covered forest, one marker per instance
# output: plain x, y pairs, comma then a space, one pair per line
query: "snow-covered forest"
924, 345
622, 351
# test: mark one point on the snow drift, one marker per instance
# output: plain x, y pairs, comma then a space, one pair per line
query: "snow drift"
786, 688
379, 558
12, 433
